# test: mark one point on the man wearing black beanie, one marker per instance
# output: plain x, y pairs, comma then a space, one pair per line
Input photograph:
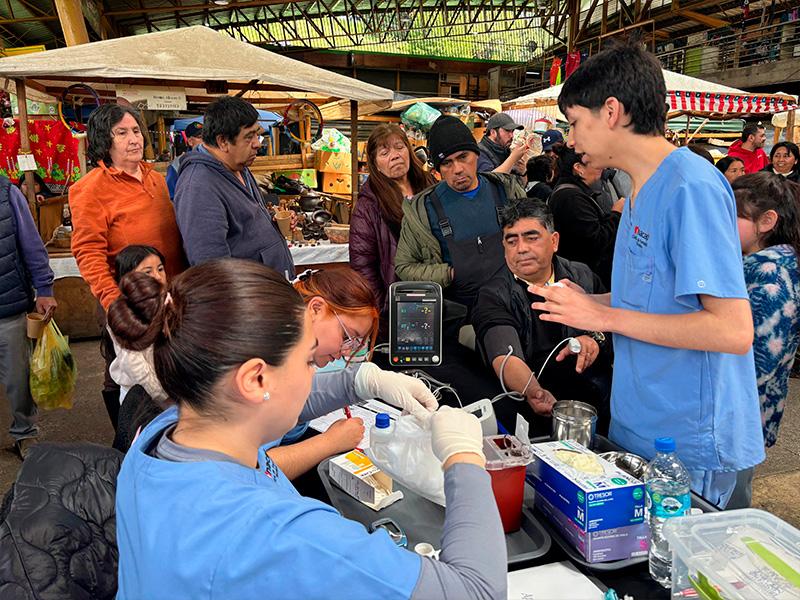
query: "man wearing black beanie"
450, 233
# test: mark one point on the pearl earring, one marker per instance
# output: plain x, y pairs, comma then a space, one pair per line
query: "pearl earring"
266, 396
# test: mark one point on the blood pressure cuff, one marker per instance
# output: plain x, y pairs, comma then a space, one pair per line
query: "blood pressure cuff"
497, 340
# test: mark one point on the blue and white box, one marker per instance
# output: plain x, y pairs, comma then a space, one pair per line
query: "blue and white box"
598, 507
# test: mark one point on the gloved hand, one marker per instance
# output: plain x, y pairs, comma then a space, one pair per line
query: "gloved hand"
454, 430
402, 391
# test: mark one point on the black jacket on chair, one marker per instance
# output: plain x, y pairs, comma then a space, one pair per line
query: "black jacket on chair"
57, 531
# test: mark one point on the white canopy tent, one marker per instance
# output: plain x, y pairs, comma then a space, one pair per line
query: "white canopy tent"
202, 59
685, 95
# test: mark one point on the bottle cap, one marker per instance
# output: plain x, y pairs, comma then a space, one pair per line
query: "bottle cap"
382, 421
665, 444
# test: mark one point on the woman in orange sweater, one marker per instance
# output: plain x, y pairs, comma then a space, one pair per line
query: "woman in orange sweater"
122, 201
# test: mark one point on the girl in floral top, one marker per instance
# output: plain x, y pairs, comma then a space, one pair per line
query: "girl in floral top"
769, 229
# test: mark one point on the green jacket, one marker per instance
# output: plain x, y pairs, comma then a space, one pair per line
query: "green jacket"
419, 255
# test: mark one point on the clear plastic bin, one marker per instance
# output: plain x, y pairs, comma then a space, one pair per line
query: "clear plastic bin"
744, 554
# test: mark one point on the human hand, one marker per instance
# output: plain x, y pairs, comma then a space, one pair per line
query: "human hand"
572, 285
454, 431
402, 391
344, 435
294, 220
39, 199
571, 307
518, 152
46, 305
619, 205
540, 400
590, 350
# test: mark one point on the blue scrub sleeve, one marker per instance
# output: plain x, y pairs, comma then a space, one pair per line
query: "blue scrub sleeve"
473, 562
703, 242
330, 391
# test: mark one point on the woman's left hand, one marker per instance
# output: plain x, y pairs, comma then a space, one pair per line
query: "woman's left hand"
402, 391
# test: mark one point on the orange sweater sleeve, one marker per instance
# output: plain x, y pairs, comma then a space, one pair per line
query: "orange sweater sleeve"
90, 244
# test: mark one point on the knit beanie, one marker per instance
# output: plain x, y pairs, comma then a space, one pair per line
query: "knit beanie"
447, 136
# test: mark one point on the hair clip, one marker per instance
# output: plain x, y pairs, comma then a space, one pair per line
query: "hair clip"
305, 275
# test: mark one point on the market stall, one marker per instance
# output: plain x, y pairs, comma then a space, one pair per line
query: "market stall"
686, 97
180, 69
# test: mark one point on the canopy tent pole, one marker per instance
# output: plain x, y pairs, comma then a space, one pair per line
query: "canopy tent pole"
354, 148
696, 131
790, 120
25, 146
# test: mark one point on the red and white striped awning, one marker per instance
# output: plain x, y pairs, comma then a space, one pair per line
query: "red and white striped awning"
722, 103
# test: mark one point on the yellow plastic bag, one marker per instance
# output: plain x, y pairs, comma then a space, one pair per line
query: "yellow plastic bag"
53, 370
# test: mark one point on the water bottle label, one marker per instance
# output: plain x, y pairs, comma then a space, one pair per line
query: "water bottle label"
668, 506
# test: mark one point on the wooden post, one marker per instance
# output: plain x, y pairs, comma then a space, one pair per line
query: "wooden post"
686, 136
790, 118
25, 145
604, 21
70, 16
354, 148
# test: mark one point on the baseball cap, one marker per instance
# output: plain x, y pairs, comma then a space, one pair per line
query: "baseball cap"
502, 121
194, 129
550, 138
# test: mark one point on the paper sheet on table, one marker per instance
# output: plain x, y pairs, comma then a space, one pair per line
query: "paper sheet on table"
366, 411
556, 581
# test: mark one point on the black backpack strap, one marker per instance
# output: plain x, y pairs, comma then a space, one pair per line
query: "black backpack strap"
444, 222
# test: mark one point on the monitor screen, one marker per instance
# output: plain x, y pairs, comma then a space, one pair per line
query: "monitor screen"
416, 326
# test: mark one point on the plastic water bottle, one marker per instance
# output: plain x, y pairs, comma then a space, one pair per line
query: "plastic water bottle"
668, 484
382, 430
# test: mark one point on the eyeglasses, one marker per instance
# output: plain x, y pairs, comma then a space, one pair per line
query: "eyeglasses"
349, 342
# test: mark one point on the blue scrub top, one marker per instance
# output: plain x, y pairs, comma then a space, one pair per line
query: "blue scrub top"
216, 529
681, 241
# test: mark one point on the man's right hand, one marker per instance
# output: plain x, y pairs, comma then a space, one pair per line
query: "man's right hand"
541, 401
619, 206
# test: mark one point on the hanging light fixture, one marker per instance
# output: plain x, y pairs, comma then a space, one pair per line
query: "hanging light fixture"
221, 2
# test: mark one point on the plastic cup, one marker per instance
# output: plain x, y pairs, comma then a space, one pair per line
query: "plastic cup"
508, 486
284, 219
36, 325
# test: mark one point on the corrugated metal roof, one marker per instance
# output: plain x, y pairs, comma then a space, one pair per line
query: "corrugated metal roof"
32, 32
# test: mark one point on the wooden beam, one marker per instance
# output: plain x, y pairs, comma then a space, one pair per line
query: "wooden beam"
706, 20
25, 143
587, 20
187, 7
72, 24
189, 83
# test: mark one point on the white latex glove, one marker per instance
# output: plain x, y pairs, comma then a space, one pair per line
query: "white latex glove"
402, 391
454, 430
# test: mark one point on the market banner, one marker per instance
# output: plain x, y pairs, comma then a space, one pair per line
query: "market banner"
53, 146
711, 102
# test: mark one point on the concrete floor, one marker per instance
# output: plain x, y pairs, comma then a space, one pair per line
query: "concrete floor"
774, 485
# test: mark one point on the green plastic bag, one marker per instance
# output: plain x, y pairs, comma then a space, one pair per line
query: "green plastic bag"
420, 115
53, 370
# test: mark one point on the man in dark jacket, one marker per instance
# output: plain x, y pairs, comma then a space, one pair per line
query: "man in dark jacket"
218, 205
495, 147
511, 336
587, 226
24, 268
450, 233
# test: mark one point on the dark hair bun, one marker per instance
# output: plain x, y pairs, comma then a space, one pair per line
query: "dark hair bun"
137, 317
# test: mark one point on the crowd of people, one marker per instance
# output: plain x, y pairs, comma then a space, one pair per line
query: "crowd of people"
678, 280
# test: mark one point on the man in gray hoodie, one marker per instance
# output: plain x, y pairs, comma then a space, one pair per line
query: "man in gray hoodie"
218, 205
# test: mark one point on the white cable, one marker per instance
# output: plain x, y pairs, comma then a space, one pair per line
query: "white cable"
519, 396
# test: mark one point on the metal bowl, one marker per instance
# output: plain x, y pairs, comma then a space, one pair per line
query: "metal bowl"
632, 464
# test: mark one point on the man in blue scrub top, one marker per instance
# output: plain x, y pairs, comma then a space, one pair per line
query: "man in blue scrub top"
678, 306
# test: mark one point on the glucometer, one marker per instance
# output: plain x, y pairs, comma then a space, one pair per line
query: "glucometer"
415, 323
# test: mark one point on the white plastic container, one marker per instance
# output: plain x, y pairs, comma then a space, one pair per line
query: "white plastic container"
743, 554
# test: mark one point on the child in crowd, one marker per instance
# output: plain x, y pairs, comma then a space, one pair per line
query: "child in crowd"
769, 229
135, 367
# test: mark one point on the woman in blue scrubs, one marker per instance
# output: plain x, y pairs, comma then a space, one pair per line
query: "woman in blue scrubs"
202, 512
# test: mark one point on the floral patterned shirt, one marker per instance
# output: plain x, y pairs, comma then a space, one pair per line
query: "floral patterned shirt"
773, 284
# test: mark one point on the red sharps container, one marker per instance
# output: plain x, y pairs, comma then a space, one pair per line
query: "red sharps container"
506, 459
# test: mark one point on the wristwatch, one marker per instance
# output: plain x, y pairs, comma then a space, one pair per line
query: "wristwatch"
597, 336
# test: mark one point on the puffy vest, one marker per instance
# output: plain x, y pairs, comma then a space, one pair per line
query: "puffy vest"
16, 293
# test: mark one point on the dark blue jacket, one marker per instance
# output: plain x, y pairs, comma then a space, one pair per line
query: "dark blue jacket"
219, 217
